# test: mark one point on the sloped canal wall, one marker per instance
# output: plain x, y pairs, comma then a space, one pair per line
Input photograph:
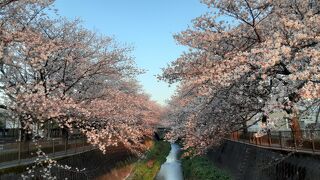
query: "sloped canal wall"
95, 163
248, 162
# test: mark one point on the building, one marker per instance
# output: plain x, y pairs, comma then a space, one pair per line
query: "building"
307, 119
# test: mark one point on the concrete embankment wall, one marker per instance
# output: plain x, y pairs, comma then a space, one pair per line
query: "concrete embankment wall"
95, 163
249, 162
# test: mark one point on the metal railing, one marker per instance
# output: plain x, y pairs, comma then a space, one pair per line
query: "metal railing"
7, 133
16, 152
303, 141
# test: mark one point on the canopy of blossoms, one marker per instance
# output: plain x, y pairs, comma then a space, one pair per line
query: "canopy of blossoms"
245, 58
53, 70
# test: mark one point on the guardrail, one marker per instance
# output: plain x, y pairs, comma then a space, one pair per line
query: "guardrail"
18, 151
13, 133
308, 140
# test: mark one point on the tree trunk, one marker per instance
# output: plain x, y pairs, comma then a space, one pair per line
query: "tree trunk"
296, 129
65, 134
245, 127
24, 134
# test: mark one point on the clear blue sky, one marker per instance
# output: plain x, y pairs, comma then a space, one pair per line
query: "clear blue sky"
147, 25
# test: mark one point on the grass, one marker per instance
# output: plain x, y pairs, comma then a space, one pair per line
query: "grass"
201, 168
148, 168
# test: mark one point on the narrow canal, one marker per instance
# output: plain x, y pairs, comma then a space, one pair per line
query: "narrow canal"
171, 169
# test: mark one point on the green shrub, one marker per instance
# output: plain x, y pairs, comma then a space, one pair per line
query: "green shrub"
200, 168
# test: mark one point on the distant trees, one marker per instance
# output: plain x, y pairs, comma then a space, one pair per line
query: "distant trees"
54, 70
246, 58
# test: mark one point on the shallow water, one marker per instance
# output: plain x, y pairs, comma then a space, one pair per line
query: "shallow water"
171, 169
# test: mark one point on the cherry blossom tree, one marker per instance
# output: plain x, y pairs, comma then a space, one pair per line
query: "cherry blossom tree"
54, 70
246, 57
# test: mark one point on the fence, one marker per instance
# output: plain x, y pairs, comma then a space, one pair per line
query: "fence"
18, 151
9, 134
308, 140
